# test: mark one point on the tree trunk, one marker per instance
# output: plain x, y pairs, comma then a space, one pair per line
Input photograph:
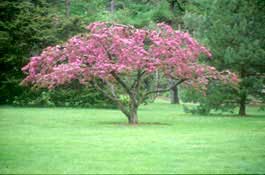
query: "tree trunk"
67, 8
112, 6
133, 118
174, 98
242, 94
242, 103
172, 6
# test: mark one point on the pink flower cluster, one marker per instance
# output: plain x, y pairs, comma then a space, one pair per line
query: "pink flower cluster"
109, 48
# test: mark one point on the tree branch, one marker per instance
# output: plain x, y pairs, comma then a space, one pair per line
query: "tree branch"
112, 97
162, 90
122, 83
138, 79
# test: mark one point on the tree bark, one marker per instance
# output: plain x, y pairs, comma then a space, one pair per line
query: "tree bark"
242, 103
133, 118
242, 94
67, 7
133, 107
112, 6
174, 98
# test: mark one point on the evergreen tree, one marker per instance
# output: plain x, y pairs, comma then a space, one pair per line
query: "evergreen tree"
26, 27
234, 31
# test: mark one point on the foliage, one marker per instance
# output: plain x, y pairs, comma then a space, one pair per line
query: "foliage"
26, 28
217, 98
233, 30
43, 100
142, 13
63, 97
86, 10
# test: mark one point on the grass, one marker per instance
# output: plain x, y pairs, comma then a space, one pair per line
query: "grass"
75, 141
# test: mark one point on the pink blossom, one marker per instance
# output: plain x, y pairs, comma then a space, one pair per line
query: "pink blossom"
109, 48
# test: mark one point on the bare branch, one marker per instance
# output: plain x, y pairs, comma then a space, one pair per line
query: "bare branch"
138, 79
112, 97
122, 83
162, 90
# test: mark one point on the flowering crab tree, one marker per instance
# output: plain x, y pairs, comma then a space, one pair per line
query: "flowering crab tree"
118, 59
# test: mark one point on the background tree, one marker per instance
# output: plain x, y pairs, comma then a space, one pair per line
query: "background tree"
26, 28
67, 8
234, 32
112, 6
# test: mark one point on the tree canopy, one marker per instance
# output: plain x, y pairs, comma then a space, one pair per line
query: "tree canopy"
120, 57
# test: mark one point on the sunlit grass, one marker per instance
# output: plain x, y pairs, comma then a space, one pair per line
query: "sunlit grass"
74, 141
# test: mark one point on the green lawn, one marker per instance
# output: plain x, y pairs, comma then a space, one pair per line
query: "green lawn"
66, 140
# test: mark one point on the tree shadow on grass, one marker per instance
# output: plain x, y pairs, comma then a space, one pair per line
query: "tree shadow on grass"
221, 115
139, 124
